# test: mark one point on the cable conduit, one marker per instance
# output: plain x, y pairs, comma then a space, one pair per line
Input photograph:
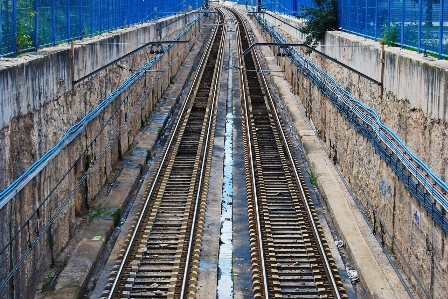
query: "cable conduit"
356, 110
67, 199
7, 194
369, 204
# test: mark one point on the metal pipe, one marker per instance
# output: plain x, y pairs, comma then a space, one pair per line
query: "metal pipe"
314, 50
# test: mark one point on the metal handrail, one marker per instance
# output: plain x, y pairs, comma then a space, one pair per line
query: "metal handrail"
9, 192
371, 118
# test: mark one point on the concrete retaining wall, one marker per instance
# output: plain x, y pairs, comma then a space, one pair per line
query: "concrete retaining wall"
39, 104
413, 105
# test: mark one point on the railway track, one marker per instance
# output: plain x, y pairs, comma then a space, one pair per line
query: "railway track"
290, 256
160, 257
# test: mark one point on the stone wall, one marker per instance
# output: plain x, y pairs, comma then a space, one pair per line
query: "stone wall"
39, 104
412, 103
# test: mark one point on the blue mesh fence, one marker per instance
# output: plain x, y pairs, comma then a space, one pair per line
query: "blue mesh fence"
30, 24
288, 7
416, 24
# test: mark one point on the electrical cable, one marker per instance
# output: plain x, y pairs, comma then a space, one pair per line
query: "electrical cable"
127, 84
276, 34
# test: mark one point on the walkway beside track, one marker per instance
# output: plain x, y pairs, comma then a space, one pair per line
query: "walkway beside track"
377, 275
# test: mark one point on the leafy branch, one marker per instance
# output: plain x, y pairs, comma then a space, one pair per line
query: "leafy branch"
320, 18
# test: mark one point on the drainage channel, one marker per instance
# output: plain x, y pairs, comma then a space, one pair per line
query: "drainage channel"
225, 261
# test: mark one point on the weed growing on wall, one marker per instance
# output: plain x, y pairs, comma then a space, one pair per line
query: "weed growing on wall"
390, 34
313, 180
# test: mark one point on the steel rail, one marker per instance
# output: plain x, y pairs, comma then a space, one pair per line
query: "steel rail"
377, 128
357, 201
247, 125
358, 110
67, 198
296, 173
387, 136
157, 174
204, 158
308, 48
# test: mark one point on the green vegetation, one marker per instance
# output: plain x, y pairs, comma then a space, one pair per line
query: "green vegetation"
320, 18
95, 212
430, 39
313, 180
25, 26
376, 223
85, 30
390, 34
159, 133
116, 217
89, 159
106, 213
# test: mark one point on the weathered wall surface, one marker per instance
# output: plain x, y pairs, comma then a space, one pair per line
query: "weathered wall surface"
416, 94
413, 105
38, 104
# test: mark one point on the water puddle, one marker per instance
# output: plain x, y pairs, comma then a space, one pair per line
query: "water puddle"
225, 279
225, 262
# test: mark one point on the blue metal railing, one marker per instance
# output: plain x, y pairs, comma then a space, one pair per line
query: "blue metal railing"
366, 121
415, 24
30, 24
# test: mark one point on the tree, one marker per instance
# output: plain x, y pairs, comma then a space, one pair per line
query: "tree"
428, 10
320, 18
